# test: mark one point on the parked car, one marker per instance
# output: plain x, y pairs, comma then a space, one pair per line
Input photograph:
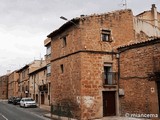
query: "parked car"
11, 99
27, 102
16, 101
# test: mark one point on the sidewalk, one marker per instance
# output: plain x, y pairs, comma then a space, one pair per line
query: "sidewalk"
105, 118
45, 107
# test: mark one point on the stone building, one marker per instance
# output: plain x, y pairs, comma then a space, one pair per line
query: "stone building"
151, 16
39, 86
4, 86
13, 84
84, 61
47, 44
140, 77
23, 83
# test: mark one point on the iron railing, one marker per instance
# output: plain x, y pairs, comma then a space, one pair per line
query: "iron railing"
61, 111
110, 78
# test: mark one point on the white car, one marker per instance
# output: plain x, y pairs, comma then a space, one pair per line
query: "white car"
27, 102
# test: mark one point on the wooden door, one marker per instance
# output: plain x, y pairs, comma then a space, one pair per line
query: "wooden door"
42, 98
109, 105
158, 92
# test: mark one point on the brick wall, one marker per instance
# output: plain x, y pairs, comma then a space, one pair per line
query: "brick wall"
66, 82
119, 22
13, 84
140, 93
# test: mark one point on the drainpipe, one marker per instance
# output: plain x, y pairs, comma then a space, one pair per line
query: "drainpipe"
34, 88
118, 62
49, 94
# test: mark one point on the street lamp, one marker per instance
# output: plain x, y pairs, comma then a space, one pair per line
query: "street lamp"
63, 18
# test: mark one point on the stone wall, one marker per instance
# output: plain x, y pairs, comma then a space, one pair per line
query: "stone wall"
92, 83
120, 23
66, 82
140, 92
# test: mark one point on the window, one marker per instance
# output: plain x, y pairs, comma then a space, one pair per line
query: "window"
48, 50
106, 35
44, 72
23, 74
64, 41
108, 75
48, 69
62, 69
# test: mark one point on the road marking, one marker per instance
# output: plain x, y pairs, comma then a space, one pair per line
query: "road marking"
3, 116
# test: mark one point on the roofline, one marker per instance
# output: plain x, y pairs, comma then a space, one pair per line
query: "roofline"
145, 12
26, 66
137, 45
77, 20
47, 41
63, 27
37, 70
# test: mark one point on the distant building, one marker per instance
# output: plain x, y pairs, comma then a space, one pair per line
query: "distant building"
39, 86
47, 44
13, 84
23, 86
151, 16
4, 86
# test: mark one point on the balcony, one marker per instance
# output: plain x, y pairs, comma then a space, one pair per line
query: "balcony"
110, 78
43, 88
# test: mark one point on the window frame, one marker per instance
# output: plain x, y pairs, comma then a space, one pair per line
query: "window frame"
48, 69
106, 35
64, 40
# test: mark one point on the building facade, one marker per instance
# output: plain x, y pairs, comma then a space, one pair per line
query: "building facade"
151, 16
47, 44
13, 84
39, 86
4, 86
140, 78
84, 61
23, 83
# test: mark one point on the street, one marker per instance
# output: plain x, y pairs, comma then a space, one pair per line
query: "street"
14, 112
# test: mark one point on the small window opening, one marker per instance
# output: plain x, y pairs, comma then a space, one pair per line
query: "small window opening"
106, 35
62, 68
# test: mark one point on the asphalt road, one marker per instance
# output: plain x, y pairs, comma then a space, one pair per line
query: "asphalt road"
12, 112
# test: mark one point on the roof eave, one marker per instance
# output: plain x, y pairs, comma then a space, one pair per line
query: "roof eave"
63, 27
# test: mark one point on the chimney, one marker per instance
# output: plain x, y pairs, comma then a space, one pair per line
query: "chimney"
154, 14
8, 71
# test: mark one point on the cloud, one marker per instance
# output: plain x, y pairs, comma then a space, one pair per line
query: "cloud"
24, 24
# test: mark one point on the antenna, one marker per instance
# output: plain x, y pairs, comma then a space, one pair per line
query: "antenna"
125, 4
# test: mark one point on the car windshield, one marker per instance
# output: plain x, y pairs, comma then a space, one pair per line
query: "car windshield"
28, 100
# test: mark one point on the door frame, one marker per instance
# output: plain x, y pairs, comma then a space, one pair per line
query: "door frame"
116, 102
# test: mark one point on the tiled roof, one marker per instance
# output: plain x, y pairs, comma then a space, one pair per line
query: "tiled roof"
139, 44
83, 17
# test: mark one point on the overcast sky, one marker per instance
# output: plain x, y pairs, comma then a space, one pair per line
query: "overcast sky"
24, 24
